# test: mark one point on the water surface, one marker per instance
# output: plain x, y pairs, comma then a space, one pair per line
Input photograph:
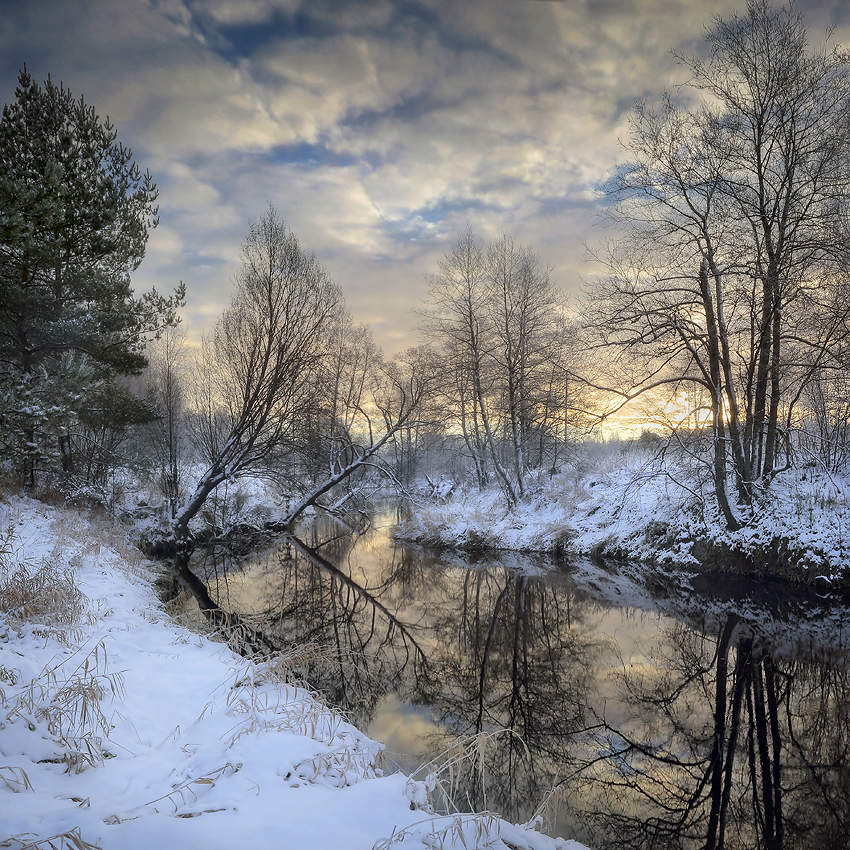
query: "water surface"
693, 715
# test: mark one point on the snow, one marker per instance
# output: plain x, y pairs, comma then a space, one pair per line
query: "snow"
619, 499
182, 743
250, 499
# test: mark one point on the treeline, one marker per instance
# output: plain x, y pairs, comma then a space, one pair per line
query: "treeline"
99, 383
724, 302
97, 380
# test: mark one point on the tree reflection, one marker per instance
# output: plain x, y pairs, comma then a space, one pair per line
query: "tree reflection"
509, 657
729, 745
365, 648
723, 738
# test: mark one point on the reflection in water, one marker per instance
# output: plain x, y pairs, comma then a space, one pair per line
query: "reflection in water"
509, 658
730, 744
689, 722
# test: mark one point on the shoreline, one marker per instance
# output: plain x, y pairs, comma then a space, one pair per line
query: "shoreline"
800, 535
181, 742
775, 562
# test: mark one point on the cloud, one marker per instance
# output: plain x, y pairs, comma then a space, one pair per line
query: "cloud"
379, 129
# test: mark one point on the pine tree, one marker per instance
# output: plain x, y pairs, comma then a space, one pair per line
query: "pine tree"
75, 215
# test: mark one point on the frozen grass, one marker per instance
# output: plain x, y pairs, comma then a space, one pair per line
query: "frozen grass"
63, 701
68, 699
15, 779
477, 831
70, 840
441, 779
44, 594
435, 789
587, 498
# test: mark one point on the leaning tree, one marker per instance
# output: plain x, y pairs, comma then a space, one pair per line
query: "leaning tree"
264, 373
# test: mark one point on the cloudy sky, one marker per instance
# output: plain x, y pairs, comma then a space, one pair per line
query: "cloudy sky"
379, 129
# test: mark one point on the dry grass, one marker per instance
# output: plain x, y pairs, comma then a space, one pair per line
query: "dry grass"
239, 631
69, 703
269, 695
184, 794
472, 831
71, 840
183, 609
287, 667
15, 779
438, 783
572, 493
46, 595
442, 776
66, 697
546, 814
96, 533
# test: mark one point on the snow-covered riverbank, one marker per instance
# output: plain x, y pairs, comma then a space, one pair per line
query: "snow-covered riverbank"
127, 730
624, 507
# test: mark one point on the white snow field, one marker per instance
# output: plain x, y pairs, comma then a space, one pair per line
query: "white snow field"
120, 728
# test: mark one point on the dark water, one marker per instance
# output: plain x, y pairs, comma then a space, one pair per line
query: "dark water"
691, 715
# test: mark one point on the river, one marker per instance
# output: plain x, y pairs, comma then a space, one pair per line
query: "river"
697, 713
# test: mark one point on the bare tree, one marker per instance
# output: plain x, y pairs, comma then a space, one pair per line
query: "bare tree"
499, 324
825, 430
524, 313
345, 382
283, 368
728, 279
396, 392
166, 392
784, 116
260, 360
458, 393
459, 319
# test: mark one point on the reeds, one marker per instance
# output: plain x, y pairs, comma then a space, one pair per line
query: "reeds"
70, 840
471, 831
45, 596
269, 694
443, 774
69, 703
437, 784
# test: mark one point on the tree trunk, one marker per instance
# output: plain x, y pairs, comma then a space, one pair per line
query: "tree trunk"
775, 376
510, 493
755, 430
713, 344
743, 468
